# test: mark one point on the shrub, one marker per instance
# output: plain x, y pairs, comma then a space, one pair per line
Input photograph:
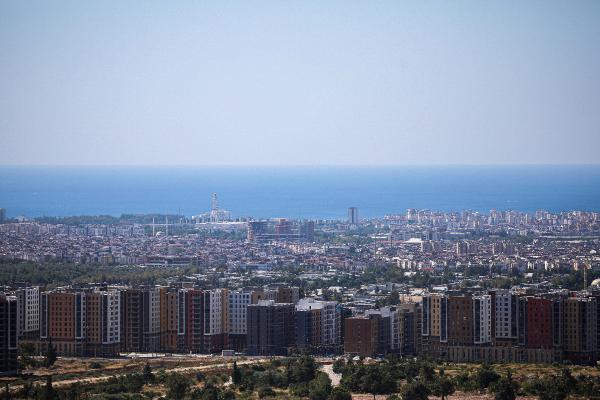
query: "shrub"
265, 391
320, 387
339, 393
95, 365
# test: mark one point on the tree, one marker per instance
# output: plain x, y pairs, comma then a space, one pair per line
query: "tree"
415, 391
236, 374
49, 391
552, 388
505, 388
302, 370
378, 380
208, 392
177, 386
338, 365
339, 393
147, 373
567, 381
443, 387
27, 351
427, 372
320, 387
51, 356
486, 376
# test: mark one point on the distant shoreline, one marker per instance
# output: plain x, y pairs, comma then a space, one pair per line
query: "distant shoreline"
295, 192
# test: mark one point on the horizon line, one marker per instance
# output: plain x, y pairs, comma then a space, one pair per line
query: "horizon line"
299, 165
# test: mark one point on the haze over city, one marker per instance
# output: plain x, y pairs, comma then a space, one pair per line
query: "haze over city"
288, 83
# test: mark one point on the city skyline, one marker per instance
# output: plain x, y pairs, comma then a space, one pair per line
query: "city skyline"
299, 84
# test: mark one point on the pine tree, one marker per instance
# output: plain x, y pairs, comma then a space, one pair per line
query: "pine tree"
50, 355
49, 392
148, 375
236, 374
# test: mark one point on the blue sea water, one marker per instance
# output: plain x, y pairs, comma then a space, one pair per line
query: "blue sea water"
305, 192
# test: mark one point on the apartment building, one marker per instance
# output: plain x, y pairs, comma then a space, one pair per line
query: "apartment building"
539, 323
216, 316
271, 328
63, 321
580, 324
8, 335
168, 319
318, 326
460, 320
362, 334
482, 319
435, 325
505, 317
409, 329
239, 300
28, 301
103, 324
190, 323
151, 320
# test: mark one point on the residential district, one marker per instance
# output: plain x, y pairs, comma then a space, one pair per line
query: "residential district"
505, 286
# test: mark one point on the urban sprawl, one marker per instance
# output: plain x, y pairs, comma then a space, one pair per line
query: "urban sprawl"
502, 286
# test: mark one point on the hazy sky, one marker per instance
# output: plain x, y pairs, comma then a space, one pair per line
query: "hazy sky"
307, 82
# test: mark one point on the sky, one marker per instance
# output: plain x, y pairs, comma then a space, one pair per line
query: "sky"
299, 82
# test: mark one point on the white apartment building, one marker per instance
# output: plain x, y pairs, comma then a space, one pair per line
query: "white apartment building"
216, 303
111, 322
482, 319
506, 315
238, 310
28, 310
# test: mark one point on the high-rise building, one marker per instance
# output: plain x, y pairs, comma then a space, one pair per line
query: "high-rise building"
352, 215
28, 312
216, 317
539, 323
151, 319
435, 325
103, 330
388, 336
2, 215
271, 328
239, 300
505, 316
482, 319
255, 229
8, 335
190, 320
318, 326
460, 320
283, 228
307, 231
580, 339
131, 320
140, 320
409, 329
168, 319
362, 334
63, 321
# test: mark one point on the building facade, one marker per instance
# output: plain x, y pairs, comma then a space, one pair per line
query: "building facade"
9, 344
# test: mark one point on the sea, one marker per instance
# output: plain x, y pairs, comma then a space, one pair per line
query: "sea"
295, 192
